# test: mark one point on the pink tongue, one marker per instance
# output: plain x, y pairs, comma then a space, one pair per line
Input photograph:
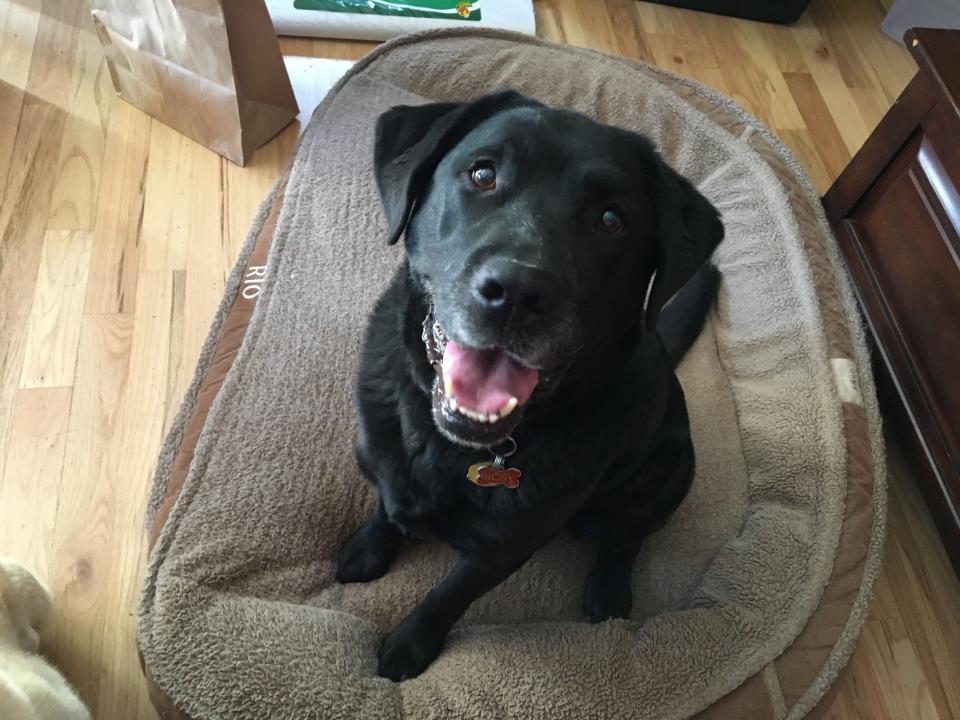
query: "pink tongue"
484, 380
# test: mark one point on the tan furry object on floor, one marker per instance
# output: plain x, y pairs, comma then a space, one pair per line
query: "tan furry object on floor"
30, 688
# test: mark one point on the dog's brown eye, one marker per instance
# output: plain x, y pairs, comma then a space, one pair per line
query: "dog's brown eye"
610, 221
483, 176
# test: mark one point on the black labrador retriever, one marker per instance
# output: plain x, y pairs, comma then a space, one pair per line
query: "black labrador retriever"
513, 381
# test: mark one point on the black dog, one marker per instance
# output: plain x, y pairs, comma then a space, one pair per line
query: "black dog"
520, 327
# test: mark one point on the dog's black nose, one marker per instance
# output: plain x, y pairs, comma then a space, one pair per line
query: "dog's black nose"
515, 291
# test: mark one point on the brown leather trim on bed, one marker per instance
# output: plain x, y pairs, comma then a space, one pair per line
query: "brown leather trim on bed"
813, 646
234, 330
166, 710
815, 643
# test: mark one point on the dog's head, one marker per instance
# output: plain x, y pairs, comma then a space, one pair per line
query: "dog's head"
535, 232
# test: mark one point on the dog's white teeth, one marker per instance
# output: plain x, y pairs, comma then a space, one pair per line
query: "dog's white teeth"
473, 414
482, 417
508, 407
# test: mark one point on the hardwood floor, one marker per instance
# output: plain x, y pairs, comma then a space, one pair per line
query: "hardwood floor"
116, 235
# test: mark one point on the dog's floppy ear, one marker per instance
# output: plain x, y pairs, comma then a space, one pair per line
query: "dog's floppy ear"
412, 139
689, 231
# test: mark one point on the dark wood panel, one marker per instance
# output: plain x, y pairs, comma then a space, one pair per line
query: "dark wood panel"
907, 243
942, 167
914, 425
901, 425
896, 212
937, 52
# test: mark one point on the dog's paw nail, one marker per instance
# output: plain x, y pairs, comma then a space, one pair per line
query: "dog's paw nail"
606, 596
405, 655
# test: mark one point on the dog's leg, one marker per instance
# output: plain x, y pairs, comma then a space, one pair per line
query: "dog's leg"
413, 645
607, 592
368, 553
618, 521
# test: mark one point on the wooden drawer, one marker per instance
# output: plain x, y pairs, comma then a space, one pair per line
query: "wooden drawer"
896, 213
909, 243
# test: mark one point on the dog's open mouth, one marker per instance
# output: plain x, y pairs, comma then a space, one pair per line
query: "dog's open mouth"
478, 394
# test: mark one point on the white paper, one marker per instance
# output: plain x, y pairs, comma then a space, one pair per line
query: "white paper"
514, 15
312, 79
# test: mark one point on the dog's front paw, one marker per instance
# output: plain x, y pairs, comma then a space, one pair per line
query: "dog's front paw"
365, 556
607, 593
408, 650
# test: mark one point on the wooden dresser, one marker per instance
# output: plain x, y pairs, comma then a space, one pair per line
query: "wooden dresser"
896, 214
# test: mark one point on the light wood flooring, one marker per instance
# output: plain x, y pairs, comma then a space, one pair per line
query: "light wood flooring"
116, 235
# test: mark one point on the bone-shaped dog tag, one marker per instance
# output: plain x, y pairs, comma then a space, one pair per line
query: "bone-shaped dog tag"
487, 474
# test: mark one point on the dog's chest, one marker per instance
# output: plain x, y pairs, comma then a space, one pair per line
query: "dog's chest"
436, 489
436, 496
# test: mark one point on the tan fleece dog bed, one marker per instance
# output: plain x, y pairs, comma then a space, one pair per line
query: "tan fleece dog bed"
746, 605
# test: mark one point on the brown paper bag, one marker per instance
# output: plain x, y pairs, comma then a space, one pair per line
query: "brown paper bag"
211, 69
